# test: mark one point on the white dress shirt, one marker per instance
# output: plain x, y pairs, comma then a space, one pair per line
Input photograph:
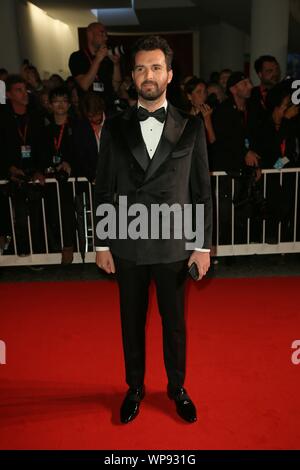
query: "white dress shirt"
152, 130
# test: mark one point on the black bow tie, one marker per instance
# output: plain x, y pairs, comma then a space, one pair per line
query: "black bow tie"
159, 114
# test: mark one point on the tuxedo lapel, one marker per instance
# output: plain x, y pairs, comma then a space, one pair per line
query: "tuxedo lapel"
132, 132
173, 129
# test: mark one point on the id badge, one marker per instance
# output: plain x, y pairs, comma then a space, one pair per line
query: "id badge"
98, 86
26, 151
281, 162
56, 159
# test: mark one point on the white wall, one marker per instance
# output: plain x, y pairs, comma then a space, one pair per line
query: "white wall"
45, 42
210, 57
233, 43
9, 40
222, 46
274, 39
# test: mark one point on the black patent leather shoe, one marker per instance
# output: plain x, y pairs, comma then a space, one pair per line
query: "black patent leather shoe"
184, 406
131, 404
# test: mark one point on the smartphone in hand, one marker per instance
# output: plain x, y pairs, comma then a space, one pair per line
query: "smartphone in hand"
194, 272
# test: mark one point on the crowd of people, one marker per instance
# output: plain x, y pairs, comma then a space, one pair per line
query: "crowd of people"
52, 128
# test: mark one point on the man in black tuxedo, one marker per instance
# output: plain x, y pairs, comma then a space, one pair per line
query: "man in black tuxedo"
153, 154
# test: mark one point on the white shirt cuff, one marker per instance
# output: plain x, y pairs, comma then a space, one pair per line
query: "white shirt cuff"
203, 250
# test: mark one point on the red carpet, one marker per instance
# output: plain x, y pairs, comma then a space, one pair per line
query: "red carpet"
63, 382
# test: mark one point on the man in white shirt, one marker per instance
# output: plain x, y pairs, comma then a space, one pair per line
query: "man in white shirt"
153, 154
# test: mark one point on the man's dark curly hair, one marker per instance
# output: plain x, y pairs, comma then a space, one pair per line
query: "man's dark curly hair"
151, 43
258, 64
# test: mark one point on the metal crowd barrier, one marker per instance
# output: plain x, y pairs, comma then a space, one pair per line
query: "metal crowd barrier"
249, 247
12, 259
84, 236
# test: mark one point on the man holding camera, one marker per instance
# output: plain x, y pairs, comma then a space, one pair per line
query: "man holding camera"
94, 67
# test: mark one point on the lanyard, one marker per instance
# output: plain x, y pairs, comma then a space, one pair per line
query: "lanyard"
244, 116
23, 134
90, 60
283, 147
57, 142
97, 133
263, 93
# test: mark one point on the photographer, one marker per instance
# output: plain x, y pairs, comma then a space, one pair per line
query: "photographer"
59, 164
95, 68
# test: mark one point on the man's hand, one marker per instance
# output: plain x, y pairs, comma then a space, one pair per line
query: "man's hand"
105, 261
291, 112
39, 178
64, 166
115, 58
251, 158
101, 53
206, 111
202, 259
16, 174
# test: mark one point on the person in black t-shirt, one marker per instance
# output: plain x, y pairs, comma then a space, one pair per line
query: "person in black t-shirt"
22, 129
94, 68
22, 146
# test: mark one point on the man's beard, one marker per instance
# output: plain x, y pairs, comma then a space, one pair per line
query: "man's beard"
151, 94
271, 82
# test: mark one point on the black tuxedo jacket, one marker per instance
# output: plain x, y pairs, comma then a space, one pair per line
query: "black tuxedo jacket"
177, 174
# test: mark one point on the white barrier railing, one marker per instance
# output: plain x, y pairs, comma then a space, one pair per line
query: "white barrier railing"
249, 247
84, 237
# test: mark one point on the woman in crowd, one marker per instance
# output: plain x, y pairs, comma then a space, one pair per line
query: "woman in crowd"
196, 92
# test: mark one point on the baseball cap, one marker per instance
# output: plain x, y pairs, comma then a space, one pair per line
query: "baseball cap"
235, 78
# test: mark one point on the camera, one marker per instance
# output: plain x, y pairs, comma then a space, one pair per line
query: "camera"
116, 50
60, 175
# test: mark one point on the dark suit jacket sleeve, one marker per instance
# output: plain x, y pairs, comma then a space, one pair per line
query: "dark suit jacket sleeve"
200, 182
105, 180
